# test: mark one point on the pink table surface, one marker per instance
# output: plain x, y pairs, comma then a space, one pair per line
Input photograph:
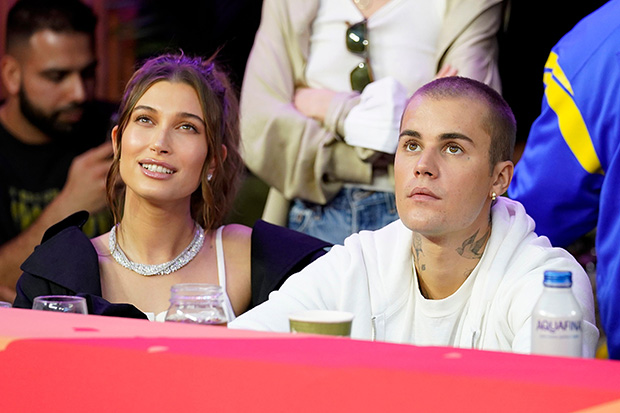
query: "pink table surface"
66, 362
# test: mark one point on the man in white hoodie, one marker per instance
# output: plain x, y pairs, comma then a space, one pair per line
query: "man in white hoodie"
462, 266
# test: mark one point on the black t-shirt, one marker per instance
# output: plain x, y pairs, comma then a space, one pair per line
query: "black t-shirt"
32, 175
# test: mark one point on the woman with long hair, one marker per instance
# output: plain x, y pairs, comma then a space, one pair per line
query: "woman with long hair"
173, 179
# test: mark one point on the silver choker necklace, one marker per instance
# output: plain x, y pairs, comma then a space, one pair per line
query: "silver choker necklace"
179, 262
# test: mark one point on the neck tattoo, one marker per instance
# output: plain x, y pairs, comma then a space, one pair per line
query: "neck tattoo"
148, 270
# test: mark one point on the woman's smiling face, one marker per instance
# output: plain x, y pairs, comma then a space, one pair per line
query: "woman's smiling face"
164, 145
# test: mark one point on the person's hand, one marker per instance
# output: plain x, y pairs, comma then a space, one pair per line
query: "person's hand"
313, 102
85, 186
446, 71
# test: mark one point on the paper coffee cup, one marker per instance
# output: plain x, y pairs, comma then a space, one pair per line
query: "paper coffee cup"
331, 323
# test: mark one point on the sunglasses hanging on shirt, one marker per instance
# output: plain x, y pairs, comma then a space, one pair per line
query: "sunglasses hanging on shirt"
357, 43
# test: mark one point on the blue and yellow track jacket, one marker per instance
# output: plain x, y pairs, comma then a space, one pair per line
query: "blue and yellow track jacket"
569, 175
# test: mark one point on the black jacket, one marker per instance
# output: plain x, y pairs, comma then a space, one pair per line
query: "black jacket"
66, 263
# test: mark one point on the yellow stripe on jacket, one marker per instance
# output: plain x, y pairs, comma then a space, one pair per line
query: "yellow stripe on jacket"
559, 95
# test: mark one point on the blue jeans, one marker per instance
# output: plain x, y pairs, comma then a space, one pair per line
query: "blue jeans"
352, 210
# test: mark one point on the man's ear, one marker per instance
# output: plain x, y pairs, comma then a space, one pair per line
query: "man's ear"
502, 173
11, 73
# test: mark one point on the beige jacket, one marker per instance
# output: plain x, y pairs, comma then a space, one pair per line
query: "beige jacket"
299, 157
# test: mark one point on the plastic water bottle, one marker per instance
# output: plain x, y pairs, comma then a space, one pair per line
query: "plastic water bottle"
557, 318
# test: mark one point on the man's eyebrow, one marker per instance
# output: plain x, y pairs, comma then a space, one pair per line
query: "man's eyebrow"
443, 137
64, 70
456, 136
55, 71
410, 133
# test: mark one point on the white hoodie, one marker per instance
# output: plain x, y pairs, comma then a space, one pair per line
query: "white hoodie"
372, 277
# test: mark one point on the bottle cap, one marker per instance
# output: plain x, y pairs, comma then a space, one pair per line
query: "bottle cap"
558, 279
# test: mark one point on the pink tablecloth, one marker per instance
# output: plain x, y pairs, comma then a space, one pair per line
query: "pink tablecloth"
69, 362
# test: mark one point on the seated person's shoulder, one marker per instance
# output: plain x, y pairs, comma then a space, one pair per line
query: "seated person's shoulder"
275, 235
76, 220
237, 234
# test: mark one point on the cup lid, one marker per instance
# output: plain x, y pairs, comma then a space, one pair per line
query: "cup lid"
322, 316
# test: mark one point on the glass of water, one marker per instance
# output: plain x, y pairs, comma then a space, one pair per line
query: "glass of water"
60, 303
198, 303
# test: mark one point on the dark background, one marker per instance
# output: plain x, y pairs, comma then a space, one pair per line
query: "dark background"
532, 29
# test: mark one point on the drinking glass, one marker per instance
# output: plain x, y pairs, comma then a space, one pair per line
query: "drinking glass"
62, 303
198, 303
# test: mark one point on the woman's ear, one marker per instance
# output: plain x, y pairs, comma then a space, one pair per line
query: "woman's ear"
224, 155
114, 136
502, 173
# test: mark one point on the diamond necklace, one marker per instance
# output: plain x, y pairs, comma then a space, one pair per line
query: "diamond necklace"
147, 270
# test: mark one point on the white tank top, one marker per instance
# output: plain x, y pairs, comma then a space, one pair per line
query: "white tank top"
221, 271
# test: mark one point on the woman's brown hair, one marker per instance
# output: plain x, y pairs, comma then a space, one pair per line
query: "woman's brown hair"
212, 200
